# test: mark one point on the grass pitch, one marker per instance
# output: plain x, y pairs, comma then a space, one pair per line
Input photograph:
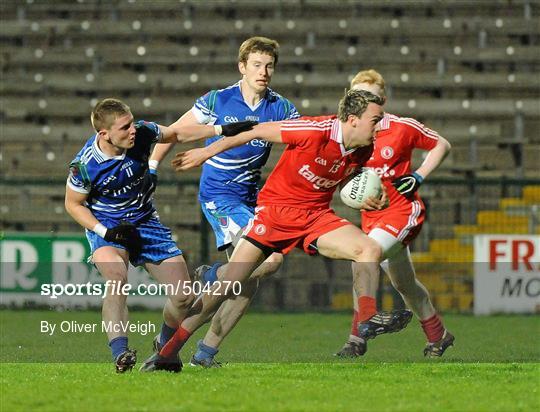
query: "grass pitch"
277, 362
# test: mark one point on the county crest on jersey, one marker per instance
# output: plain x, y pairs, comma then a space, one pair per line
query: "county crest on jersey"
114, 184
234, 174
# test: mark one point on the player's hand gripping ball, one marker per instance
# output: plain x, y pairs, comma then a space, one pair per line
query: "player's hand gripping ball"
357, 190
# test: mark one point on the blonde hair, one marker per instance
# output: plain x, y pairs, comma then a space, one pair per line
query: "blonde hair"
106, 112
258, 44
370, 77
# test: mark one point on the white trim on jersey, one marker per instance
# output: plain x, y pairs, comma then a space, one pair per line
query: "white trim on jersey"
247, 175
241, 163
76, 188
412, 222
409, 121
223, 160
102, 157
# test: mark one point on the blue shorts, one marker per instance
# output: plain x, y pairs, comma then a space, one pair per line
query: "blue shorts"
156, 238
227, 218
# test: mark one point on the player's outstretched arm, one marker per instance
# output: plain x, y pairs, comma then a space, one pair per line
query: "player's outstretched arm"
271, 132
162, 149
190, 133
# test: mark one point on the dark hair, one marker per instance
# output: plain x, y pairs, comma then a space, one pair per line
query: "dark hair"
355, 102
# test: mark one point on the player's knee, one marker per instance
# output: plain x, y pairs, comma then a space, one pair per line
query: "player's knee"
182, 301
273, 263
368, 252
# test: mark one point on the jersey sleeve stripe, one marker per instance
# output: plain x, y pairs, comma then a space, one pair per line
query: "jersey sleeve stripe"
424, 130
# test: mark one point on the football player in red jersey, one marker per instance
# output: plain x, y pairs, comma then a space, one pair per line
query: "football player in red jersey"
395, 227
293, 208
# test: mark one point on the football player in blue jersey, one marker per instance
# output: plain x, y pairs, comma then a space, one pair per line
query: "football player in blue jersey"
109, 193
229, 182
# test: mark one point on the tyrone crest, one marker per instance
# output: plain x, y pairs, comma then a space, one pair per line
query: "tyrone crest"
387, 152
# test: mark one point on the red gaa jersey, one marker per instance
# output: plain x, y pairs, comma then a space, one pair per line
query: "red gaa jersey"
312, 165
396, 138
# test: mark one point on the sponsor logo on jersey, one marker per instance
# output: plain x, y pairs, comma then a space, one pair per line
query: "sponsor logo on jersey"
392, 228
256, 119
126, 165
109, 180
318, 181
384, 171
127, 187
387, 152
259, 143
230, 119
320, 161
260, 229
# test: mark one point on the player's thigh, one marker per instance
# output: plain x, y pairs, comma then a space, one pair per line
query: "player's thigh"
111, 262
169, 271
348, 242
244, 260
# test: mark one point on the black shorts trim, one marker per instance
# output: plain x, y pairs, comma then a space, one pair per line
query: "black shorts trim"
267, 250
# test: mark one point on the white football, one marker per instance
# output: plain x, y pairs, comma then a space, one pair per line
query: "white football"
362, 186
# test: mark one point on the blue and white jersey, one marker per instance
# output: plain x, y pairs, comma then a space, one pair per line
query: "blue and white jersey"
234, 174
114, 184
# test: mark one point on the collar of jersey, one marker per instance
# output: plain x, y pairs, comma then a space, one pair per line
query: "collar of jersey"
337, 135
252, 108
384, 124
102, 157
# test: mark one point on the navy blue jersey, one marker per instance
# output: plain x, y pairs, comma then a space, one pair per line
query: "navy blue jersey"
114, 184
234, 173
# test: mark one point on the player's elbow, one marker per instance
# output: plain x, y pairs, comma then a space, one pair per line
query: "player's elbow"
445, 144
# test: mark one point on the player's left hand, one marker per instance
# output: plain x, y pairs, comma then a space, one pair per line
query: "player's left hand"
188, 160
232, 129
407, 185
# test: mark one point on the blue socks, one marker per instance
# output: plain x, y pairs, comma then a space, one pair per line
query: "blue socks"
118, 346
210, 276
166, 333
204, 351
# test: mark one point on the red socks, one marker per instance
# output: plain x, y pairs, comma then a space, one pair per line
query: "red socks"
368, 308
354, 324
173, 346
433, 328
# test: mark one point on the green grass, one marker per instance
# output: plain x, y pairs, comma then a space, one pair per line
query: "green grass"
277, 362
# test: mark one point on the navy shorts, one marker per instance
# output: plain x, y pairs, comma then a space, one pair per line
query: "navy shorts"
157, 242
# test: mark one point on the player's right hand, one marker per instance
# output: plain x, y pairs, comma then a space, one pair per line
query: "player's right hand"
125, 234
376, 203
188, 160
232, 129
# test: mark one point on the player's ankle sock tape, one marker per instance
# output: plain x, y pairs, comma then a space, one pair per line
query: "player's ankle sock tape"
166, 333
205, 351
118, 346
210, 276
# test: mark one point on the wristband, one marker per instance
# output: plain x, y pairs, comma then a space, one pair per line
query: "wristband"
218, 129
100, 230
418, 177
153, 164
